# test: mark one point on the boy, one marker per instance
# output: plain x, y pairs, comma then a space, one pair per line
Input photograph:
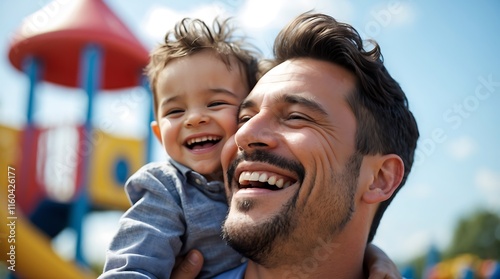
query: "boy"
199, 76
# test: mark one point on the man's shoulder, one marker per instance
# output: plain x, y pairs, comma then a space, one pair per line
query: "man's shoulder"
235, 273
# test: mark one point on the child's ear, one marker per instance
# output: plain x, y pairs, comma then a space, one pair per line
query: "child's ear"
156, 130
387, 177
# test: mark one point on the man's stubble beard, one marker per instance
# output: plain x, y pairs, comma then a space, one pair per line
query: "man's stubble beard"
258, 242
264, 243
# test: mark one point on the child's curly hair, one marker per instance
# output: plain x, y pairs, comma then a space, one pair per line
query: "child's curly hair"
190, 36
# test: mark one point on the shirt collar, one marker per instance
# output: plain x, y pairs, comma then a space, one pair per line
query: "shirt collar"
213, 189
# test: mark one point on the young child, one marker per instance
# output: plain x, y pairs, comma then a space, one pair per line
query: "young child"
199, 76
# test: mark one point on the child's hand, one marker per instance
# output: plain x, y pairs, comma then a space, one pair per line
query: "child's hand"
379, 265
189, 266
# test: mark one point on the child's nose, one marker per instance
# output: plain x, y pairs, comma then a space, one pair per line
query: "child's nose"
196, 118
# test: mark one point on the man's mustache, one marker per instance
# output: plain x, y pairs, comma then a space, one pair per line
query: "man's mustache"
269, 158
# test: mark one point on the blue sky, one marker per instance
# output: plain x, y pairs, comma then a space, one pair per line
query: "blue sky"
444, 54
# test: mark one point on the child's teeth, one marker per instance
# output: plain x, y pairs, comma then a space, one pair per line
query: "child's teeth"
205, 138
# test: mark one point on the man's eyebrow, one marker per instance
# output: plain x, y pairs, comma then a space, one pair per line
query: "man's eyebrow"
303, 101
290, 99
246, 104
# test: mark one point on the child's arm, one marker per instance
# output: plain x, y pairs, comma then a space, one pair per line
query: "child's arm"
150, 231
379, 265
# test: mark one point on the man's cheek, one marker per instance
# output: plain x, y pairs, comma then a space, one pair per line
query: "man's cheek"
228, 152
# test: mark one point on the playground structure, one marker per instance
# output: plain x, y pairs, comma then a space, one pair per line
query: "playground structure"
465, 266
84, 45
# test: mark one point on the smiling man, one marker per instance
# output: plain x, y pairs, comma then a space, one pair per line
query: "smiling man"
325, 141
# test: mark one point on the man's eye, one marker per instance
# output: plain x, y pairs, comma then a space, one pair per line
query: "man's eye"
243, 119
298, 116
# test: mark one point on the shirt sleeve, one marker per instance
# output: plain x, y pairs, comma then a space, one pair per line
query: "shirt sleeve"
149, 237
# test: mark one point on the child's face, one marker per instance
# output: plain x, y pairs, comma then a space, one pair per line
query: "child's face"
198, 98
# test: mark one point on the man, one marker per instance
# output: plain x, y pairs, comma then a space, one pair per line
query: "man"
326, 140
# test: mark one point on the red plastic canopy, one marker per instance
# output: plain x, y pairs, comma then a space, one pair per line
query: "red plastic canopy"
57, 34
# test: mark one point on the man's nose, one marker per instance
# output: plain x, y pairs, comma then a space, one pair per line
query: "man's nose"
257, 133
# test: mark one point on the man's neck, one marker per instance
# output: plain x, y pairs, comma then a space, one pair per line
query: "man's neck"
340, 256
330, 261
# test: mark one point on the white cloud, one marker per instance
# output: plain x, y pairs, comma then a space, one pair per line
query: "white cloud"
264, 14
160, 19
411, 245
462, 148
393, 13
259, 19
387, 15
420, 191
404, 12
157, 21
263, 19
419, 242
488, 183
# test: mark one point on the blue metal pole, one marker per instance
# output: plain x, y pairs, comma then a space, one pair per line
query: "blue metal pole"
151, 117
32, 68
90, 79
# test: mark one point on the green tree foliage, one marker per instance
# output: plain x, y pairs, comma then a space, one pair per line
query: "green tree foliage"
478, 234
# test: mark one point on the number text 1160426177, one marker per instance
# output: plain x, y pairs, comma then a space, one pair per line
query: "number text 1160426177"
11, 218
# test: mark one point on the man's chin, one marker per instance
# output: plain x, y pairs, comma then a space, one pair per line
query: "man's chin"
245, 238
249, 232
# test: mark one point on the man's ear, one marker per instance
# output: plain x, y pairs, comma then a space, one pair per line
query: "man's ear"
156, 130
386, 180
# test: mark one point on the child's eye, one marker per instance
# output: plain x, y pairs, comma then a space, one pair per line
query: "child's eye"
218, 103
173, 112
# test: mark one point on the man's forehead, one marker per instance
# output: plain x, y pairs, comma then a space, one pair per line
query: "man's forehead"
287, 77
304, 75
290, 70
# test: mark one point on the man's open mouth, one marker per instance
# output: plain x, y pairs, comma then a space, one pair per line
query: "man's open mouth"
202, 142
257, 179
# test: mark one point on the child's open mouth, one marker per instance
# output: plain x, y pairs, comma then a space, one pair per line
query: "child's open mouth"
202, 142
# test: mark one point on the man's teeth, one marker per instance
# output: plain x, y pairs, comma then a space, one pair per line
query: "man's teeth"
202, 139
263, 177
